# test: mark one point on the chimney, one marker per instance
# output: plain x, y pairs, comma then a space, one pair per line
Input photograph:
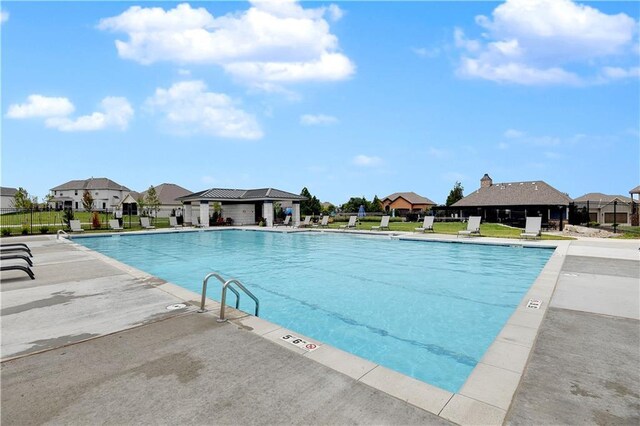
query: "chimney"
486, 181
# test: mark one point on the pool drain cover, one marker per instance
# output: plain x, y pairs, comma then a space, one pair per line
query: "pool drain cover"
176, 306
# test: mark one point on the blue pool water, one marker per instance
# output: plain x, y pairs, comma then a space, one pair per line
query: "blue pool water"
426, 309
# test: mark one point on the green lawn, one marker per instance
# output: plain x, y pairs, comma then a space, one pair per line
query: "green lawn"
486, 229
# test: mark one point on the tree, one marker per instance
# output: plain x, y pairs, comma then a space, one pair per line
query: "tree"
87, 201
456, 194
141, 206
376, 205
328, 208
21, 200
152, 201
354, 203
311, 205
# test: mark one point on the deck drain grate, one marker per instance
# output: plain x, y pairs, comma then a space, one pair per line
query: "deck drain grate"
176, 306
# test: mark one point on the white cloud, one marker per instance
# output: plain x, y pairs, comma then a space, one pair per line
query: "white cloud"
366, 161
545, 42
513, 134
41, 106
4, 16
317, 119
117, 113
270, 42
620, 73
189, 108
184, 72
426, 53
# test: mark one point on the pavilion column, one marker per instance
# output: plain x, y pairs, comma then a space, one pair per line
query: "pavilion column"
204, 214
187, 213
296, 213
267, 213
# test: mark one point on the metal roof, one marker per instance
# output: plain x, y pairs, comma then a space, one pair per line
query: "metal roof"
224, 194
534, 193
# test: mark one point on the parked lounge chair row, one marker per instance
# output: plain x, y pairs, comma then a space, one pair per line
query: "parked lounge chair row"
10, 252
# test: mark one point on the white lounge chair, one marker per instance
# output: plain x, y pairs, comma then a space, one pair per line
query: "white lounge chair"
287, 222
144, 222
114, 225
427, 225
196, 222
473, 226
384, 224
173, 222
532, 228
324, 223
351, 224
75, 226
306, 222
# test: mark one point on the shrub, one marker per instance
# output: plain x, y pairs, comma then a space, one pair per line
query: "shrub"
95, 220
25, 231
6, 232
44, 229
67, 217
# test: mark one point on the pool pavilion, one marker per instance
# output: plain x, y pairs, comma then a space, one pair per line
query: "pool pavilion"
243, 206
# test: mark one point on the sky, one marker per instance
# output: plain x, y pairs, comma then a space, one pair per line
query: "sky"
348, 99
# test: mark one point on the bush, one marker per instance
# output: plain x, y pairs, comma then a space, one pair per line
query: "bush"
44, 229
6, 232
95, 220
25, 231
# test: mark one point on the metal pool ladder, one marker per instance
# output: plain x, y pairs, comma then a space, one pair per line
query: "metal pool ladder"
226, 284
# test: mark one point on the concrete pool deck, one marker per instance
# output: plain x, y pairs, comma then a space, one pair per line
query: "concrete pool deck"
161, 366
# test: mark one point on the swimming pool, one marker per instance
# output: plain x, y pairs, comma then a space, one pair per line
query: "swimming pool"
428, 310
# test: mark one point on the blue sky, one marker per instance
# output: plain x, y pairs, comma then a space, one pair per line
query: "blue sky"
345, 98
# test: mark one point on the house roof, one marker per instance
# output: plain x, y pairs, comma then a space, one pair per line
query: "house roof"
598, 197
635, 190
7, 192
90, 184
223, 194
534, 193
411, 197
168, 193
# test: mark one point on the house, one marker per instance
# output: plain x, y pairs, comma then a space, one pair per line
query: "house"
406, 202
7, 197
242, 206
168, 194
512, 202
106, 194
606, 209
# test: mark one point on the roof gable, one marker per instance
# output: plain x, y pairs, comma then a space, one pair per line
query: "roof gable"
515, 194
168, 193
411, 197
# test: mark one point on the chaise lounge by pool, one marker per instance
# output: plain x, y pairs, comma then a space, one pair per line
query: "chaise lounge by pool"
428, 310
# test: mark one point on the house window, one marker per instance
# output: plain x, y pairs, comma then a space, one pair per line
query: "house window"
76, 205
104, 205
76, 192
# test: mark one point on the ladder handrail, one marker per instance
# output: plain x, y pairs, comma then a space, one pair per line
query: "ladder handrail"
60, 231
224, 296
204, 290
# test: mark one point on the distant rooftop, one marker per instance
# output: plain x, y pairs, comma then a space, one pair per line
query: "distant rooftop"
530, 193
411, 197
168, 193
90, 184
224, 194
598, 197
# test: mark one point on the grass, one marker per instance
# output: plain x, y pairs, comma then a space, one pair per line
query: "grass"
629, 232
486, 229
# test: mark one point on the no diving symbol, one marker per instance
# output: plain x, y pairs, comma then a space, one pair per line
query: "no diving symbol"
311, 346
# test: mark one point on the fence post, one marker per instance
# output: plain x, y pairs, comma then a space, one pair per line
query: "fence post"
31, 220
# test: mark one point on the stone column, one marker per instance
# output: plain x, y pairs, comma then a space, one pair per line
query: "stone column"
296, 214
204, 214
187, 213
267, 213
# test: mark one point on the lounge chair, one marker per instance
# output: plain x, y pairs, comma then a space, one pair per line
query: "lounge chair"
196, 222
306, 222
18, 268
7, 248
324, 223
114, 224
473, 227
286, 222
384, 224
75, 226
144, 222
173, 222
427, 225
17, 256
351, 224
532, 228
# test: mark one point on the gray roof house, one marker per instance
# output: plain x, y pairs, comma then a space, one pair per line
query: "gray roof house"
242, 206
7, 197
606, 209
511, 202
106, 194
168, 194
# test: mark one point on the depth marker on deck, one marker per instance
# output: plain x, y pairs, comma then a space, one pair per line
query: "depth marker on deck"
301, 343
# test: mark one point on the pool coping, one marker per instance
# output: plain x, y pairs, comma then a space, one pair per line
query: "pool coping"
487, 393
